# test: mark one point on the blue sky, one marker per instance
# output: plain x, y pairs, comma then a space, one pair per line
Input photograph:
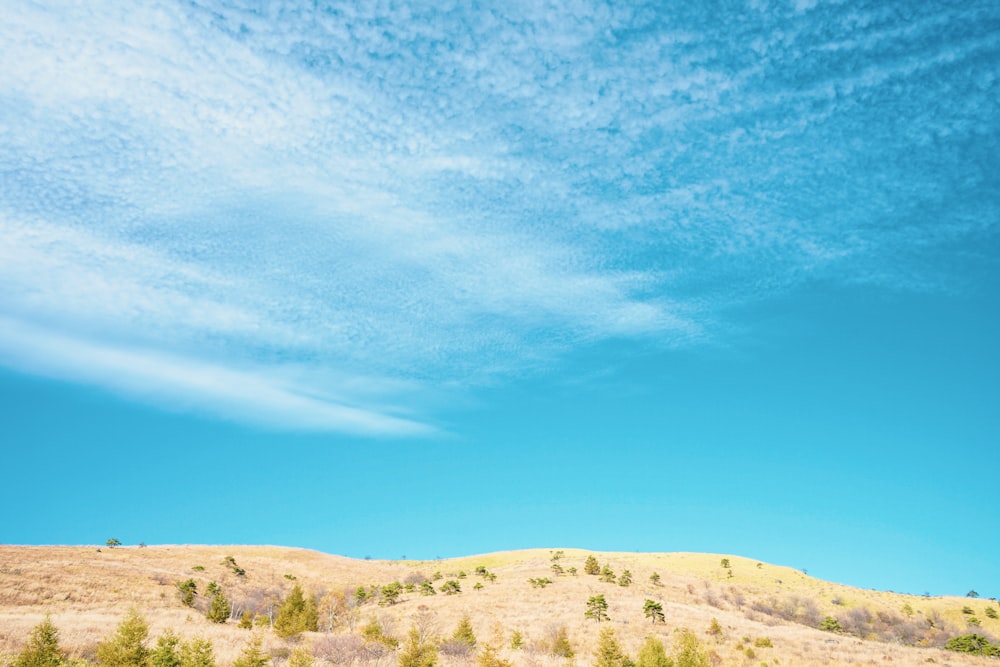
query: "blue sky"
400, 279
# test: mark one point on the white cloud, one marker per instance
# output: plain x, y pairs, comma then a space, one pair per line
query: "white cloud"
260, 396
443, 196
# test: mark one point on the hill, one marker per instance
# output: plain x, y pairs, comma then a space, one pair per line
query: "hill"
742, 611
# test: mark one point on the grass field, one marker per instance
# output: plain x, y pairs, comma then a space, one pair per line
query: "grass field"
86, 591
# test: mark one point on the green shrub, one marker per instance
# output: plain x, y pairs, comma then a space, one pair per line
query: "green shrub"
252, 655
197, 653
590, 566
967, 610
218, 609
301, 657
560, 643
609, 653
974, 644
463, 632
830, 624
451, 587
166, 652
373, 632
390, 593
990, 612
127, 648
653, 654
42, 649
230, 562
296, 615
763, 642
688, 651
417, 652
625, 579
188, 589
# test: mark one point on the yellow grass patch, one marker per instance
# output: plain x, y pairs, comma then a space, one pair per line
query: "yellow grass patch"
87, 591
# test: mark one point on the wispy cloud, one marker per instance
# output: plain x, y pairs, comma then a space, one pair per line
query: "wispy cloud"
444, 198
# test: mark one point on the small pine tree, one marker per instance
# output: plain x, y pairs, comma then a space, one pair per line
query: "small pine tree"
653, 611
373, 632
489, 656
607, 574
688, 652
597, 608
252, 655
310, 615
127, 648
246, 620
609, 653
197, 653
653, 654
301, 657
218, 608
451, 587
655, 579
830, 624
561, 646
42, 649
625, 579
417, 652
590, 566
464, 633
390, 593
427, 588
516, 640
188, 589
166, 652
297, 614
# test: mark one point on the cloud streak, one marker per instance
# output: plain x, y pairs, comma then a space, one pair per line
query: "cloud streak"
450, 198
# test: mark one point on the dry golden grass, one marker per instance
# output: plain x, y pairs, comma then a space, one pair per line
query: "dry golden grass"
87, 591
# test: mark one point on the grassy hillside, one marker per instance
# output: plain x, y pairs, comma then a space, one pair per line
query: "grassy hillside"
87, 591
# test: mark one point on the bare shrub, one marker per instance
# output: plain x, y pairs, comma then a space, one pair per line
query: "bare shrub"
857, 622
456, 648
339, 649
735, 597
711, 598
